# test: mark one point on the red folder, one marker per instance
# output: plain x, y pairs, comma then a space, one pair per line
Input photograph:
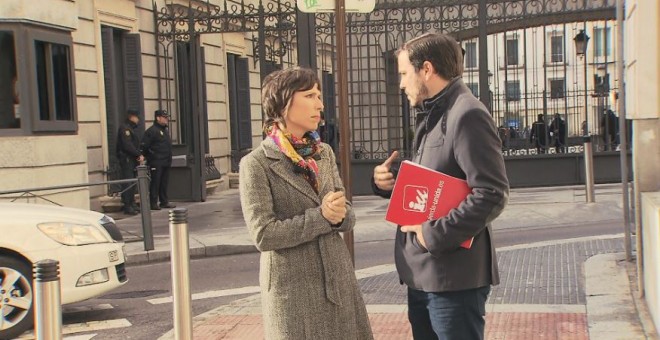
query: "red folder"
421, 194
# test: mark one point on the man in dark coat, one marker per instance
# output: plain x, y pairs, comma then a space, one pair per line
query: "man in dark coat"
129, 157
539, 134
609, 129
157, 148
447, 284
558, 129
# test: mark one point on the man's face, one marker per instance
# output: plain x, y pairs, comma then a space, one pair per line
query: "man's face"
134, 119
412, 82
163, 120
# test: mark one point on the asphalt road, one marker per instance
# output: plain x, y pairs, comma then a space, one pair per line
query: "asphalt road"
134, 311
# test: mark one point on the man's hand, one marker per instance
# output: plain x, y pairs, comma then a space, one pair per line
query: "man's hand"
417, 229
333, 207
383, 178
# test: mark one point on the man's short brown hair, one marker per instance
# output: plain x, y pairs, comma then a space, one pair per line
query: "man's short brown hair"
280, 86
442, 51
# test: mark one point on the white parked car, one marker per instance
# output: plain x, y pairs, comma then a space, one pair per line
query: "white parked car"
87, 244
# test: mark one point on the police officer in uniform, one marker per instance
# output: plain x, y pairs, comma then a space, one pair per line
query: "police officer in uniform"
157, 148
129, 156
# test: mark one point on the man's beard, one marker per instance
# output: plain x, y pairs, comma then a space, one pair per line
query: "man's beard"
422, 94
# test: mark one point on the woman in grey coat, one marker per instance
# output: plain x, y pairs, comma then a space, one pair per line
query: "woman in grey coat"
294, 207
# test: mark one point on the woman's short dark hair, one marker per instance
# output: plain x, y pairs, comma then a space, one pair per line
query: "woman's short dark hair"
442, 51
280, 86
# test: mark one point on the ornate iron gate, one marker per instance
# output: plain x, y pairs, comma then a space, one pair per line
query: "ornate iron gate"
521, 46
520, 60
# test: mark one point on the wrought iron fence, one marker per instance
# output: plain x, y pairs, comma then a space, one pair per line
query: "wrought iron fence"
530, 56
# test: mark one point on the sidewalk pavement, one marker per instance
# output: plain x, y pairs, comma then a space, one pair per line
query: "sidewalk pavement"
569, 289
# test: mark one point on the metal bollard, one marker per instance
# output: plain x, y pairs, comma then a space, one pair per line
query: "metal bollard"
145, 206
589, 169
181, 274
48, 306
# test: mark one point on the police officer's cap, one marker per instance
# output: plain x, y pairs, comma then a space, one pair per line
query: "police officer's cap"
132, 112
162, 113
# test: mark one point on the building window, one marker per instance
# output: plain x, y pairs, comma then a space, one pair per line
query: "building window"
10, 117
557, 88
53, 83
602, 84
513, 90
474, 87
602, 42
512, 51
557, 49
471, 55
41, 97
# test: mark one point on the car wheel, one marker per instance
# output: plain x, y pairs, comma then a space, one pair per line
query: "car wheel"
15, 297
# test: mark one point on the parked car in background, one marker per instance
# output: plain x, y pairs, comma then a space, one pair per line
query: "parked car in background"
87, 244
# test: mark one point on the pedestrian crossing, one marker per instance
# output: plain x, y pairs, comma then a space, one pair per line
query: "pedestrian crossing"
91, 329
83, 327
71, 331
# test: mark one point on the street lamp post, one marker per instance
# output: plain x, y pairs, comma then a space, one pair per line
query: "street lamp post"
581, 40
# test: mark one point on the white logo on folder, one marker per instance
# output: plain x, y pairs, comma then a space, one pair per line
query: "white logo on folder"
415, 198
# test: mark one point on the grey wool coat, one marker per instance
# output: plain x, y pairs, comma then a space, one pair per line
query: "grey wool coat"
308, 284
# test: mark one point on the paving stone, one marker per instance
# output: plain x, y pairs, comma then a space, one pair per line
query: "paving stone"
395, 326
550, 275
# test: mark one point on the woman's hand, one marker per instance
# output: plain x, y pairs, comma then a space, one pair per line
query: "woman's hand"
333, 207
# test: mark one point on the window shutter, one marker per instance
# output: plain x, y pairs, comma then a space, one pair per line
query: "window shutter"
203, 106
243, 102
184, 94
233, 106
133, 90
109, 79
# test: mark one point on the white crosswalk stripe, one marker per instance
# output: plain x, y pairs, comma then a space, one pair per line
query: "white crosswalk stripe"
95, 326
90, 326
78, 309
80, 337
211, 294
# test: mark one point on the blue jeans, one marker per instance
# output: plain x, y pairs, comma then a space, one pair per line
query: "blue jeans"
455, 315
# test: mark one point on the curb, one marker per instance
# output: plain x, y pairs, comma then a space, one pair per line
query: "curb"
611, 313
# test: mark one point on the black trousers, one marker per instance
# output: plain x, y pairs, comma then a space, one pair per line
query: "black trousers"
128, 165
160, 175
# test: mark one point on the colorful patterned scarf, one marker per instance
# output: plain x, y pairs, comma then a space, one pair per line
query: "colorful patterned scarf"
300, 151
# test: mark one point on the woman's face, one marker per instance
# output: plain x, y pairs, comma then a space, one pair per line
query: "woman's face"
304, 112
